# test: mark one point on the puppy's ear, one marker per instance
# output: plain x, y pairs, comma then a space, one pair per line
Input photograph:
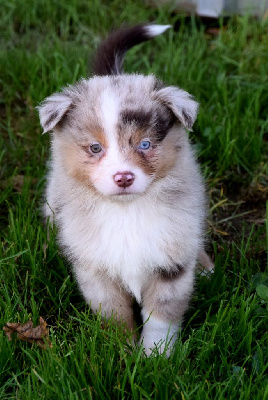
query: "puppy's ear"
181, 103
52, 110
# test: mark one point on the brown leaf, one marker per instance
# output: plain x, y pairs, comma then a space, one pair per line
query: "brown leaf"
27, 332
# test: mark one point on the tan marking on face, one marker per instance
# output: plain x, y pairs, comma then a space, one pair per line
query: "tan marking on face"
96, 134
157, 160
129, 138
78, 163
167, 155
88, 133
139, 159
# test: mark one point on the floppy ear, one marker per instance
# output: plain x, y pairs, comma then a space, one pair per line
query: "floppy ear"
181, 103
52, 109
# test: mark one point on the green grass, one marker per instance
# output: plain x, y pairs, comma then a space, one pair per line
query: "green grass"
222, 352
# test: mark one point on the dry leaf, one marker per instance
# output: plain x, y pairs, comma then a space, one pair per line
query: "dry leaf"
27, 332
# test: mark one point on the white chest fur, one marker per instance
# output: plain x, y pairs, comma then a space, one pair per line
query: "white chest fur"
127, 240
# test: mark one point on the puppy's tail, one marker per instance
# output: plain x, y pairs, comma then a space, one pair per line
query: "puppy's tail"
110, 54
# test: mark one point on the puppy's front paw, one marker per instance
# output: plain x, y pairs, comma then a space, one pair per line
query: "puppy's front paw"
205, 264
158, 335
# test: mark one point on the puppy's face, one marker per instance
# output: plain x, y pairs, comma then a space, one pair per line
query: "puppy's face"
117, 135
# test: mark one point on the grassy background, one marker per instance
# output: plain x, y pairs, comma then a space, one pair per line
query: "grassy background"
222, 352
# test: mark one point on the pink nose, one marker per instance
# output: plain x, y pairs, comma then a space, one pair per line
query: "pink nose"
124, 179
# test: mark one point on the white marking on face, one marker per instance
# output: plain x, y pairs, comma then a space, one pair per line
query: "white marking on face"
115, 161
109, 112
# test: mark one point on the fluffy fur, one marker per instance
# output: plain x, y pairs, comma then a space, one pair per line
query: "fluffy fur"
130, 217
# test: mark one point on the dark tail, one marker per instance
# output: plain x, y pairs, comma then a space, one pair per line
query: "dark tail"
110, 54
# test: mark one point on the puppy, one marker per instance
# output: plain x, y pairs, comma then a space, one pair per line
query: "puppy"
125, 191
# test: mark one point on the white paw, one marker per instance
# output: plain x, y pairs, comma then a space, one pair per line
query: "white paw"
158, 335
205, 272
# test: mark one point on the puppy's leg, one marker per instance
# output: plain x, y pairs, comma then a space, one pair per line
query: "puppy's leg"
105, 295
205, 261
165, 300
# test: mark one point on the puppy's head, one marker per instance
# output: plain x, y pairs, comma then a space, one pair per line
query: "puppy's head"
116, 135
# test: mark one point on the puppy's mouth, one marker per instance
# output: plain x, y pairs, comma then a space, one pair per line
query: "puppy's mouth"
125, 195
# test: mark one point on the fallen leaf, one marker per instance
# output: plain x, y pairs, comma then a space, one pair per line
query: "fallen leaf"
27, 332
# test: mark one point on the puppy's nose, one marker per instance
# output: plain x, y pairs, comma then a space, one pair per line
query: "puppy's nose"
124, 179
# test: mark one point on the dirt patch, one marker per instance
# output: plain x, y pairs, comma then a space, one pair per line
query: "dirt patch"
241, 215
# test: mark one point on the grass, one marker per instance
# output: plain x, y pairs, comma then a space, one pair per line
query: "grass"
222, 351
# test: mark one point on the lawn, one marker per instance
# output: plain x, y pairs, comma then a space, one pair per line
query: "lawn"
222, 352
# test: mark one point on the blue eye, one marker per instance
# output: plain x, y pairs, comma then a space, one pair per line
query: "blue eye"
145, 144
